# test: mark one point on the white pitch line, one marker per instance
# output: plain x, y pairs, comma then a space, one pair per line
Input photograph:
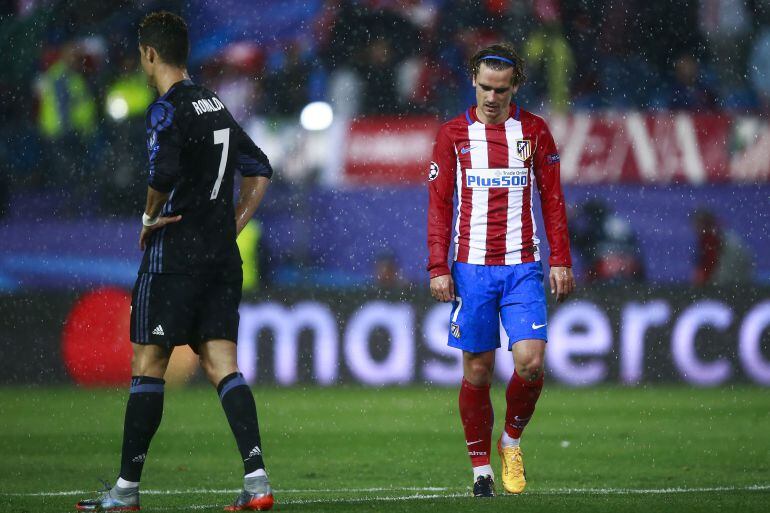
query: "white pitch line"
551, 491
556, 491
396, 498
237, 490
354, 500
650, 491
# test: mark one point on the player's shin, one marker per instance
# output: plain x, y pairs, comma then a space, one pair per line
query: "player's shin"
478, 419
144, 411
521, 397
241, 412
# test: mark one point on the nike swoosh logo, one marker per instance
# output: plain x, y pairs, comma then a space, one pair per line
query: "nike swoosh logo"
466, 149
537, 326
471, 443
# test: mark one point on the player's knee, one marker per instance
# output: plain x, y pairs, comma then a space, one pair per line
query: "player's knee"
478, 373
210, 370
216, 371
531, 367
141, 365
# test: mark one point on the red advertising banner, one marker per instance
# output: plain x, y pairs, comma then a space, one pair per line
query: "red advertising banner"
627, 147
389, 150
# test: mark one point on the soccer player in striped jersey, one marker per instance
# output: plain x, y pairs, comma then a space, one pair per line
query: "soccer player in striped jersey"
189, 284
491, 158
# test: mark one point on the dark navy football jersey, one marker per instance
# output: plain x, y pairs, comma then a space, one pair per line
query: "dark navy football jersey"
195, 146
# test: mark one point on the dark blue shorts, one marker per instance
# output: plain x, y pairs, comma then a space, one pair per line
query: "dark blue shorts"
489, 295
177, 309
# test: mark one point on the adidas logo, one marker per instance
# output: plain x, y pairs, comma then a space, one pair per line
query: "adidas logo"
139, 459
158, 330
255, 451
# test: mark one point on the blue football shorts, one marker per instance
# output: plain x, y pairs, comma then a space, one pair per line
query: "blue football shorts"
488, 295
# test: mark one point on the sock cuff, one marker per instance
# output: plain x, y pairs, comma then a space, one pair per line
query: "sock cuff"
229, 382
483, 470
146, 384
529, 384
468, 384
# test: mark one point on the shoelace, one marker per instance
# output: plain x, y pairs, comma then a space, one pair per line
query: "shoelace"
515, 470
106, 485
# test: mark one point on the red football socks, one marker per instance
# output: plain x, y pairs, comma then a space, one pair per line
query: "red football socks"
478, 418
521, 396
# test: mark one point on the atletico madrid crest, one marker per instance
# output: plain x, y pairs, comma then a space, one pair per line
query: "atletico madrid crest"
523, 149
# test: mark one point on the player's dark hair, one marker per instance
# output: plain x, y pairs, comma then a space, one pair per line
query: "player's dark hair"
499, 56
167, 33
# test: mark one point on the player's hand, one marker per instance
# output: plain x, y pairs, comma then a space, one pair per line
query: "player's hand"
562, 282
144, 236
442, 288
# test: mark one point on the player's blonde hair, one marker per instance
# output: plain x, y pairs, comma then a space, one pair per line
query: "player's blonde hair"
499, 56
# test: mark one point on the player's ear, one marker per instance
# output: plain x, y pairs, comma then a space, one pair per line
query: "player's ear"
516, 88
149, 53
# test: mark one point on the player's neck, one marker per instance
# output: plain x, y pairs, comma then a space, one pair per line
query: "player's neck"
488, 121
169, 76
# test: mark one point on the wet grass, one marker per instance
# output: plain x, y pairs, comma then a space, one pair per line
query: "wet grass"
398, 449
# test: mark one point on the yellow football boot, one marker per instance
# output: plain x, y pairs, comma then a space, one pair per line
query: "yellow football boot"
513, 476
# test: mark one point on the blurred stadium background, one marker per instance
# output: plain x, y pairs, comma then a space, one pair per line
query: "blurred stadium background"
660, 111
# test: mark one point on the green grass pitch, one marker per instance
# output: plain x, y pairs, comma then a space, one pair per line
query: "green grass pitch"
399, 449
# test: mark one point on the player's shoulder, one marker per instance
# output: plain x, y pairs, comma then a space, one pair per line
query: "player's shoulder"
204, 104
456, 126
160, 114
537, 123
462, 120
188, 97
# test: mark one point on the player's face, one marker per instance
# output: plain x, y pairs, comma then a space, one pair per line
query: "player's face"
494, 92
147, 64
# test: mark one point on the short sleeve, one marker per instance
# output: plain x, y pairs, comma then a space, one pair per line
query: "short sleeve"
252, 161
163, 146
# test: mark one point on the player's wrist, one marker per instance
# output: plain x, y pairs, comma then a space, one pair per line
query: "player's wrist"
437, 271
149, 221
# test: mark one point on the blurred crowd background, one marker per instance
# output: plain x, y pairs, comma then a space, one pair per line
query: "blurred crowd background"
72, 101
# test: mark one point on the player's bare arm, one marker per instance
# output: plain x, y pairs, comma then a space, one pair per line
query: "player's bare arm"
252, 191
150, 220
562, 282
442, 288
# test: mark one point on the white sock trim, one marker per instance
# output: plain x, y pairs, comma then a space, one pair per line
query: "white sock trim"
507, 441
483, 470
122, 483
258, 472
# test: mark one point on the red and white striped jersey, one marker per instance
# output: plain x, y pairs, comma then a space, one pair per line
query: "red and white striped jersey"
491, 169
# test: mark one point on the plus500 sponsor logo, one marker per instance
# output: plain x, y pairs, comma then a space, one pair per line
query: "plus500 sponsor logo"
585, 346
496, 178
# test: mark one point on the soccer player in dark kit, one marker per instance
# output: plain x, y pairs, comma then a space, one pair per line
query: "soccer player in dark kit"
189, 283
